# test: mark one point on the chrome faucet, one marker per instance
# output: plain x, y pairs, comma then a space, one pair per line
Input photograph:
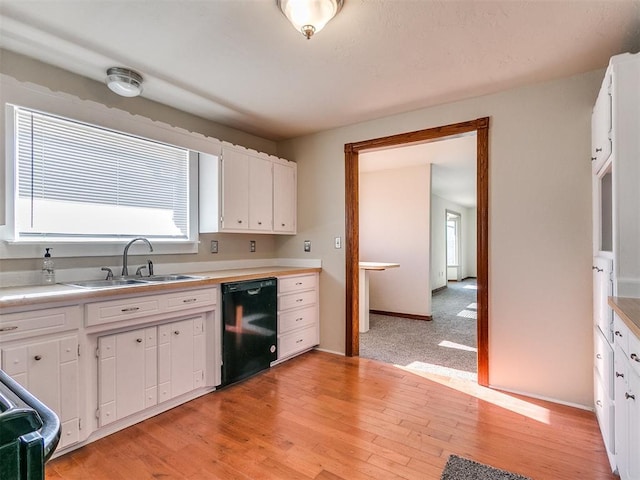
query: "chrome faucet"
125, 270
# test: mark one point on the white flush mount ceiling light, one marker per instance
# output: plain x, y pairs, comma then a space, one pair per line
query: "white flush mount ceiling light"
124, 82
309, 16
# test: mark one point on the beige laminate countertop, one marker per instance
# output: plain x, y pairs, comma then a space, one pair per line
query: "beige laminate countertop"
31, 295
628, 309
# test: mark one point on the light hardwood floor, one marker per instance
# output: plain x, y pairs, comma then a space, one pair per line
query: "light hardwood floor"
323, 416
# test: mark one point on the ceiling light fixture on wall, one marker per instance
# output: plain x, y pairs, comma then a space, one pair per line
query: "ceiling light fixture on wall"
124, 82
309, 16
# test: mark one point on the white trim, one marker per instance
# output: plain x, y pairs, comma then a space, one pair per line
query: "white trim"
542, 397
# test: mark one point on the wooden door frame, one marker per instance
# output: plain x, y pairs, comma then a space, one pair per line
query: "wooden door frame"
351, 153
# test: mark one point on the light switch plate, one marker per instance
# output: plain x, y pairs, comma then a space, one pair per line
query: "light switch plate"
338, 243
307, 245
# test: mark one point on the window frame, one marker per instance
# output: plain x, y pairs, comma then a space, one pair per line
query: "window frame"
34, 97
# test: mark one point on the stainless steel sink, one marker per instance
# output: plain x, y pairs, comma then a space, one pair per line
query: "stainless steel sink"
169, 278
118, 282
132, 282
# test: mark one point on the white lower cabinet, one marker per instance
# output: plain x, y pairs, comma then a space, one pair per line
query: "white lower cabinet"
127, 373
627, 405
139, 368
181, 356
48, 368
298, 319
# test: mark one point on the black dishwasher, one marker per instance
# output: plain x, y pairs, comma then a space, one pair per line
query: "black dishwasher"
249, 337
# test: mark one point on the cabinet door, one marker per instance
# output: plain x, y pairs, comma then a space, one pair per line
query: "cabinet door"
602, 289
284, 198
260, 194
621, 411
181, 357
49, 370
601, 123
633, 408
235, 190
126, 373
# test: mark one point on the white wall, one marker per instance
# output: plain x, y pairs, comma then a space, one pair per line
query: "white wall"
470, 221
468, 247
540, 334
438, 240
394, 228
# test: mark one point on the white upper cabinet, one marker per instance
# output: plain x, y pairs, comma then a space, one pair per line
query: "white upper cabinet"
284, 197
260, 194
601, 126
245, 191
235, 191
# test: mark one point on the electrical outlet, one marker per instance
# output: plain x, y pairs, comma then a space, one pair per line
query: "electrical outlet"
338, 243
252, 245
214, 246
307, 245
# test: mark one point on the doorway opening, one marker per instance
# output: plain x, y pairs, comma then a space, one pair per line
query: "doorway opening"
481, 128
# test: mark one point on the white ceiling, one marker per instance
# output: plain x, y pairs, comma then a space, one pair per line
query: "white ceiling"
240, 63
453, 160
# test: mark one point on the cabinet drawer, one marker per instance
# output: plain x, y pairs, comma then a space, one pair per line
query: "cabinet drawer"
117, 310
603, 359
297, 300
184, 300
621, 333
294, 319
604, 412
294, 342
38, 322
297, 283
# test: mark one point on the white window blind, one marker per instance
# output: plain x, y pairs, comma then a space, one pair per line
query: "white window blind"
79, 180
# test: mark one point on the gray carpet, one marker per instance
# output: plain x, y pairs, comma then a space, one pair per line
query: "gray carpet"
445, 345
459, 468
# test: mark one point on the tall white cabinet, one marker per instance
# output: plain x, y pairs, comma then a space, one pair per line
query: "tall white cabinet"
615, 160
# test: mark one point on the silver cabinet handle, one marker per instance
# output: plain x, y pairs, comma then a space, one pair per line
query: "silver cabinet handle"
619, 375
593, 159
283, 224
635, 357
298, 283
299, 300
37, 357
596, 269
9, 328
599, 403
259, 223
617, 333
598, 356
299, 319
598, 150
239, 221
189, 300
177, 332
130, 309
629, 396
139, 340
300, 341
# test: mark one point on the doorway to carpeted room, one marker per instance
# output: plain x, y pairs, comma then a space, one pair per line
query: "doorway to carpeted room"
446, 345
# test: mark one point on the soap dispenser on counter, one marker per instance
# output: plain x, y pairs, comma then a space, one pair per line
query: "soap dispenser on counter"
48, 272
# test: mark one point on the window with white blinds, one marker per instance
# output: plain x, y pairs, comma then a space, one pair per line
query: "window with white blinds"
79, 181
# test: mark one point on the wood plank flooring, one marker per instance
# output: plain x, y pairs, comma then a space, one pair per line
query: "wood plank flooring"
327, 417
